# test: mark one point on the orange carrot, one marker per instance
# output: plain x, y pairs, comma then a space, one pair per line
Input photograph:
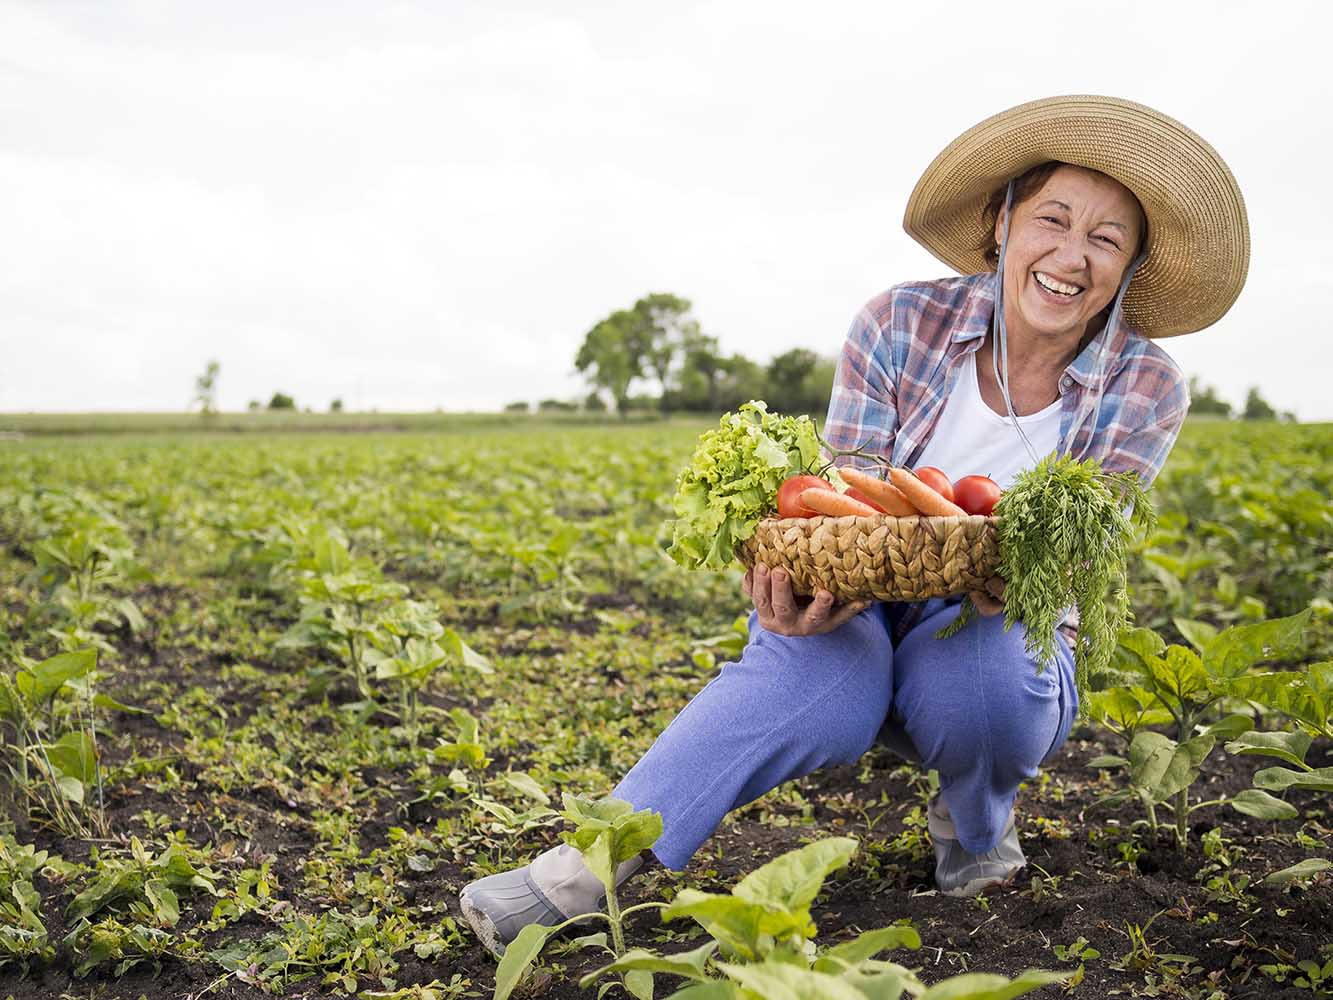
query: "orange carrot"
834, 503
885, 494
922, 497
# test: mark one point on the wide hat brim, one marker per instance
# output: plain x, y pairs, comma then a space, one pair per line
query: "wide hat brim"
1198, 232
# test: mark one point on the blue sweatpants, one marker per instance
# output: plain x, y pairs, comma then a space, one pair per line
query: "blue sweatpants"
973, 707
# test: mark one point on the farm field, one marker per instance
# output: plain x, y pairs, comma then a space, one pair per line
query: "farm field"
270, 700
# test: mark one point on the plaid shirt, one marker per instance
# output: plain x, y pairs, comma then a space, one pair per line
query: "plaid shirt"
905, 349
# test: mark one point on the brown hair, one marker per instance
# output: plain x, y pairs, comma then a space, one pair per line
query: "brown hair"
1027, 184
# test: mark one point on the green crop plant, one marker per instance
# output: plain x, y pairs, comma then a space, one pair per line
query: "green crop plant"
1181, 688
23, 935
48, 763
408, 646
83, 552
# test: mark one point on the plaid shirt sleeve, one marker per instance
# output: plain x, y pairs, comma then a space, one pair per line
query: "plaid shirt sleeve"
1143, 410
863, 409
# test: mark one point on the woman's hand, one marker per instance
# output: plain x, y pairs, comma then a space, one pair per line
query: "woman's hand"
990, 601
783, 613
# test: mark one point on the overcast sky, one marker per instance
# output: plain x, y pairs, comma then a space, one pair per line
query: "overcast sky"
421, 205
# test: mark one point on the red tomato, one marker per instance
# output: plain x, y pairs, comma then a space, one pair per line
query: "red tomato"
976, 494
856, 494
937, 481
789, 495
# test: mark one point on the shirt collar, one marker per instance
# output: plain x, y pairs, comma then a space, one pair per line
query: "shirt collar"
979, 309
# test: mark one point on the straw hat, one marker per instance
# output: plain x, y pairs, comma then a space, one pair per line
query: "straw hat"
1198, 234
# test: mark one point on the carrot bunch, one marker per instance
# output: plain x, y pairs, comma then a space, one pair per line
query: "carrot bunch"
904, 494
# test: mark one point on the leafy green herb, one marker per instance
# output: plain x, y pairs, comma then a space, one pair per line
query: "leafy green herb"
732, 480
1064, 534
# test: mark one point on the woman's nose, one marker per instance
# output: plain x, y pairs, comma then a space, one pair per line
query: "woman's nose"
1070, 252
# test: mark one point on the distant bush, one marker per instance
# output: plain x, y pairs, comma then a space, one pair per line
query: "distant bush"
518, 406
594, 403
556, 406
1205, 401
336, 406
1256, 407
281, 401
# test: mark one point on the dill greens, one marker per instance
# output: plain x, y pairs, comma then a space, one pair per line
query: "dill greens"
1064, 530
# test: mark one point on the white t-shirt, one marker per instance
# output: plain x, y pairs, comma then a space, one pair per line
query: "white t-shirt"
971, 439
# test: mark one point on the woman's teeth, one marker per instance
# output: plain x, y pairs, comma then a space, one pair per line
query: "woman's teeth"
1051, 285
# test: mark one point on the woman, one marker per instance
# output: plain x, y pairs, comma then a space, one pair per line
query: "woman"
1083, 226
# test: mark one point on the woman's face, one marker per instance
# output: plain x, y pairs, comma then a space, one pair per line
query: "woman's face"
1069, 246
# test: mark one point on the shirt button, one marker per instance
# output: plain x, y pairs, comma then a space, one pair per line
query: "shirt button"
1066, 382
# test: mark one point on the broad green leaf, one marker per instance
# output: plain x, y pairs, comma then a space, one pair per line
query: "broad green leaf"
1259, 804
1304, 695
639, 983
1290, 747
1230, 727
1240, 647
41, 683
884, 981
736, 923
163, 900
75, 756
525, 784
1300, 870
780, 981
1140, 644
989, 986
109, 703
1279, 779
793, 880
1161, 767
468, 656
597, 858
722, 989
688, 964
518, 956
71, 788
866, 945
1178, 675
1197, 634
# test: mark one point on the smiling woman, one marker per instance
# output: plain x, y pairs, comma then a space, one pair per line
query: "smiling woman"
1083, 228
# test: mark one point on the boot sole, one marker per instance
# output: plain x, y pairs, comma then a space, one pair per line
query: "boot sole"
482, 927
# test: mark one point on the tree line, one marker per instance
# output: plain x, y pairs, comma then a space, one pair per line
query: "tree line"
654, 356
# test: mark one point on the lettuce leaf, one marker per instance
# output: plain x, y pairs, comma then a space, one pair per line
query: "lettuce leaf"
732, 480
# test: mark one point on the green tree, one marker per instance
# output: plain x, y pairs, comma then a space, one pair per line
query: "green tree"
799, 381
1256, 407
281, 401
1205, 401
336, 406
206, 388
612, 354
666, 327
741, 381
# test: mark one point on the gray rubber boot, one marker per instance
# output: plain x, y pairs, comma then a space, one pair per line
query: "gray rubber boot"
557, 885
958, 873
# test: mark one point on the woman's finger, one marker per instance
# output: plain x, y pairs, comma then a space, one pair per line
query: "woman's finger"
844, 613
817, 614
987, 605
759, 592
782, 599
747, 582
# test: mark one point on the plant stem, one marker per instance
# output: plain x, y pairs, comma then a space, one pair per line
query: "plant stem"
1182, 809
613, 912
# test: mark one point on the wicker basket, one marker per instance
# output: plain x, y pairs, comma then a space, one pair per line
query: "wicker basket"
882, 558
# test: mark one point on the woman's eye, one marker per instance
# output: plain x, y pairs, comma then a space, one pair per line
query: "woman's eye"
1109, 241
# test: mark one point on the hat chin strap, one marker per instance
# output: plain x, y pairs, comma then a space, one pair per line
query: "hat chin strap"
1000, 355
